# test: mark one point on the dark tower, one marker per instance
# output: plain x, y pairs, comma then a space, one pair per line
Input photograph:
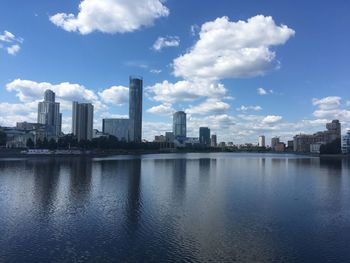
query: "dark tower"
135, 106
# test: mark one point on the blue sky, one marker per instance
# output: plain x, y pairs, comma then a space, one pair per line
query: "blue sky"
212, 59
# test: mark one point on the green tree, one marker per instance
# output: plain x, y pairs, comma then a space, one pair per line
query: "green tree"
3, 138
30, 143
333, 147
52, 145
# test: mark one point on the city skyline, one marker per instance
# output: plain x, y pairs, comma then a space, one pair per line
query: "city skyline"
300, 87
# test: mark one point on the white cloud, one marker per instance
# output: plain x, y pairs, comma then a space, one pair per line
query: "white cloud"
262, 91
330, 102
249, 108
111, 16
233, 49
155, 71
27, 91
271, 119
168, 41
13, 50
10, 42
117, 95
185, 90
331, 108
163, 109
209, 107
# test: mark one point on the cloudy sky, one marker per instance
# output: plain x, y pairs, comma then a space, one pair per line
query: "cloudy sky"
242, 68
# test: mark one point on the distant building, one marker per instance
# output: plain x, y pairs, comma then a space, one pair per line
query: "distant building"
315, 147
82, 120
222, 144
262, 141
159, 138
213, 141
135, 107
274, 142
28, 126
280, 147
204, 136
120, 128
129, 130
179, 124
303, 142
192, 141
49, 113
169, 137
97, 134
345, 145
290, 145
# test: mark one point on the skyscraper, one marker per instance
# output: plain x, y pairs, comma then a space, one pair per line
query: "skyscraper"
262, 141
82, 120
49, 113
179, 124
204, 136
214, 141
274, 142
135, 107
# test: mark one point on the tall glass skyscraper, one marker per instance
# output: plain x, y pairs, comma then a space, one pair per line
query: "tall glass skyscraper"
135, 107
82, 120
204, 136
49, 113
179, 124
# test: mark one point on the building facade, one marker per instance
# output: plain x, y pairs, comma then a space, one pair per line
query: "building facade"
122, 129
214, 141
345, 145
135, 107
179, 124
82, 120
49, 113
302, 142
274, 142
262, 141
204, 136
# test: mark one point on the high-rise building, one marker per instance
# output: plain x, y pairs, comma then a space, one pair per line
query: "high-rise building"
135, 107
262, 141
129, 130
179, 124
274, 142
214, 141
204, 136
49, 113
82, 120
345, 145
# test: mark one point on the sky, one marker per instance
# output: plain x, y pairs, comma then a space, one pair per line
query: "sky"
241, 68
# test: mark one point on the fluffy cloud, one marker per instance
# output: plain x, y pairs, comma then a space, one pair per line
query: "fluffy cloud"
184, 90
262, 91
327, 103
27, 91
117, 95
331, 108
10, 42
209, 107
163, 109
228, 49
249, 108
17, 112
271, 119
169, 41
111, 16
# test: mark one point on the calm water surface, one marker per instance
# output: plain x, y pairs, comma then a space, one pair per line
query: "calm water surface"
181, 207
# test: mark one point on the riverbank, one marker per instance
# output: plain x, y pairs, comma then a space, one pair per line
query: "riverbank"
18, 153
